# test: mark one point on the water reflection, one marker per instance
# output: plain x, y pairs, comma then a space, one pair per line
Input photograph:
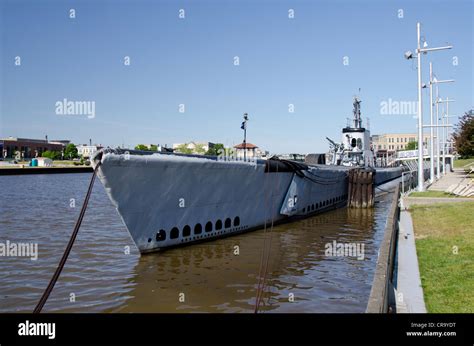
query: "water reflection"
214, 279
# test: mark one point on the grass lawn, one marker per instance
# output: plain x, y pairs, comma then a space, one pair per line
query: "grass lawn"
63, 162
463, 162
431, 194
447, 278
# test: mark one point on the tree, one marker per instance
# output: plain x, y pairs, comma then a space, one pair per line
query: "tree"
217, 149
70, 151
199, 149
183, 148
53, 155
141, 147
464, 135
153, 147
412, 145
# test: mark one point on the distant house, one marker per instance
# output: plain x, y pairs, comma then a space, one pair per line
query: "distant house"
87, 151
193, 145
248, 150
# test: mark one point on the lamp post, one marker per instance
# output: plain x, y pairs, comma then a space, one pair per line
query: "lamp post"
445, 125
244, 127
434, 80
420, 112
438, 163
446, 134
438, 142
409, 55
431, 127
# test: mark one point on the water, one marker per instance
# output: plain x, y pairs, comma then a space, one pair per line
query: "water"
102, 276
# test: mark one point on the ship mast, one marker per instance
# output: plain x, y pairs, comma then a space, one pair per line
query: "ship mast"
356, 111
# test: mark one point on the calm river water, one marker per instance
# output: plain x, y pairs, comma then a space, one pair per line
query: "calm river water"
102, 276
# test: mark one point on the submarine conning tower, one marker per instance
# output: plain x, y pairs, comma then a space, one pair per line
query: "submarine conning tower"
356, 139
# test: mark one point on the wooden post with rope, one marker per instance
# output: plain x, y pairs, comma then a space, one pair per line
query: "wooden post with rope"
361, 189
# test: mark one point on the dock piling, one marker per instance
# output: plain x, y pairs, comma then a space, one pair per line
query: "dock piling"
361, 188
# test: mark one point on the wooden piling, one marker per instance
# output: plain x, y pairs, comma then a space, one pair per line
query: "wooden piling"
361, 188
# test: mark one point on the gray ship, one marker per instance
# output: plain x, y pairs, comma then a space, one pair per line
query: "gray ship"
168, 199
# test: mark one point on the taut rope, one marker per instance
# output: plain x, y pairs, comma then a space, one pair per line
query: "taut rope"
61, 264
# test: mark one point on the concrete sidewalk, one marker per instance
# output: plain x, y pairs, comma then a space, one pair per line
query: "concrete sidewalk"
457, 177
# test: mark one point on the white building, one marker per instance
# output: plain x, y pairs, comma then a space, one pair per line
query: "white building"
86, 150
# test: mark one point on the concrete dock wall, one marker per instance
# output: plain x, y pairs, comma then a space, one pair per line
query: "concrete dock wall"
382, 290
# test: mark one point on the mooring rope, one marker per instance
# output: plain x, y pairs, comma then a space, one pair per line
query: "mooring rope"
262, 257
61, 264
262, 279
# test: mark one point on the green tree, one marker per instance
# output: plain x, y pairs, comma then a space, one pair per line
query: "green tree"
464, 135
217, 149
199, 149
153, 147
141, 147
412, 145
70, 151
53, 155
183, 148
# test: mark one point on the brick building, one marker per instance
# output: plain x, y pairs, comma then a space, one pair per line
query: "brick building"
29, 148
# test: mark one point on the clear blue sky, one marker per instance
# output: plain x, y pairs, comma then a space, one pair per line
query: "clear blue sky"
190, 61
